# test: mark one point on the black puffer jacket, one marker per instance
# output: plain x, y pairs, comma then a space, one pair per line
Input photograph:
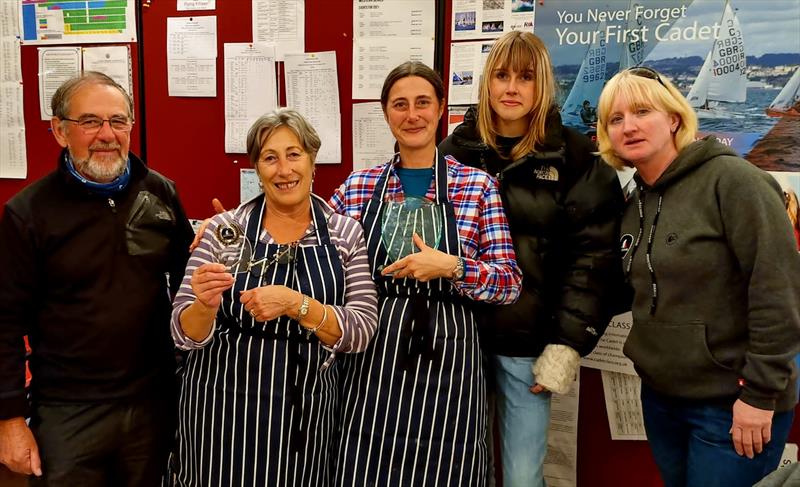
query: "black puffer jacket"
564, 207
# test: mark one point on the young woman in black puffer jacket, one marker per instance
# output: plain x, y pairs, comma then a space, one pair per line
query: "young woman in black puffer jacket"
564, 206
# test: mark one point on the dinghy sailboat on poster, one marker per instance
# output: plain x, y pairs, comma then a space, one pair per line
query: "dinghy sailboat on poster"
723, 77
730, 58
787, 103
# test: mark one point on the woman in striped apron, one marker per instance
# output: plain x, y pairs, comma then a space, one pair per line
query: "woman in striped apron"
274, 291
414, 404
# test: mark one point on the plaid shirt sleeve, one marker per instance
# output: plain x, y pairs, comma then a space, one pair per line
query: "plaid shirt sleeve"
351, 196
491, 272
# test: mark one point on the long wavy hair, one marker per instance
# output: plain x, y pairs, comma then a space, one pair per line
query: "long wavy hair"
518, 51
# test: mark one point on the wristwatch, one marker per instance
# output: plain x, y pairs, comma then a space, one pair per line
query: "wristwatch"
458, 270
303, 311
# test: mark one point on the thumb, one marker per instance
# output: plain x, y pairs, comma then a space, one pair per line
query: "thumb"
419, 242
217, 205
36, 462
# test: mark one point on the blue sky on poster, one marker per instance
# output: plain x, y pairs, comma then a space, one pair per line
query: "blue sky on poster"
769, 26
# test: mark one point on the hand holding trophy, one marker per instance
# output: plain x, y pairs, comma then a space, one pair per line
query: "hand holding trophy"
411, 229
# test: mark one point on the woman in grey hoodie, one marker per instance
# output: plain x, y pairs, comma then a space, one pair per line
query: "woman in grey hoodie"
711, 263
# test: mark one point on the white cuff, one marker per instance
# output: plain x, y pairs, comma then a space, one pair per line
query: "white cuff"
556, 367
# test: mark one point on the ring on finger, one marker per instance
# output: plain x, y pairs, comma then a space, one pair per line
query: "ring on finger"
252, 313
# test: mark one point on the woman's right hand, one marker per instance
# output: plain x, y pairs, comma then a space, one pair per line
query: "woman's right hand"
209, 281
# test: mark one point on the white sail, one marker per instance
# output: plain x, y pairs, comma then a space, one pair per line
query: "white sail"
632, 49
790, 94
591, 76
722, 77
637, 44
698, 95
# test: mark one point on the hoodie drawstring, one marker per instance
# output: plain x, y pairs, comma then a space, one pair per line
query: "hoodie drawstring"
650, 238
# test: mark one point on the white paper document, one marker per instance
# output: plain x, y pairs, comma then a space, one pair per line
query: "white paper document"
607, 355
455, 115
250, 90
312, 88
393, 18
76, 21
466, 66
373, 142
387, 33
281, 23
374, 58
10, 59
789, 455
114, 61
192, 56
624, 406
561, 460
489, 19
9, 19
184, 5
56, 65
248, 185
13, 157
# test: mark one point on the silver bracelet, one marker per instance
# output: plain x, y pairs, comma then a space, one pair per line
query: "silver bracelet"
310, 331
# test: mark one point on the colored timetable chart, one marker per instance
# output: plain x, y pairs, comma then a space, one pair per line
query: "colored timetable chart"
77, 21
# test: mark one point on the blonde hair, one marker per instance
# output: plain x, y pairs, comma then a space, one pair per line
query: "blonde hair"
792, 207
643, 92
518, 51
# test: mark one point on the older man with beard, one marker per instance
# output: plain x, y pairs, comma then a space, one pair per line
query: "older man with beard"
89, 255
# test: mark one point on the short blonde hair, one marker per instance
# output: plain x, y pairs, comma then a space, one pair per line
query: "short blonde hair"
643, 91
518, 51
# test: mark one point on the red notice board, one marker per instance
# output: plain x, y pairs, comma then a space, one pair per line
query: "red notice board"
185, 136
42, 148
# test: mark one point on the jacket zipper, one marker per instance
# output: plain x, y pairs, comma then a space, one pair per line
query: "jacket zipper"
112, 205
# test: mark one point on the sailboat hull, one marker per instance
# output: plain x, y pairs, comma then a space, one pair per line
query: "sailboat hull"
714, 114
789, 112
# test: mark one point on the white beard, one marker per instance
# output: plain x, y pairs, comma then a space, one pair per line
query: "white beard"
100, 173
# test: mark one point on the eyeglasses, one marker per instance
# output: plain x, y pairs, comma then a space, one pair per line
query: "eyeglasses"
645, 72
257, 268
92, 125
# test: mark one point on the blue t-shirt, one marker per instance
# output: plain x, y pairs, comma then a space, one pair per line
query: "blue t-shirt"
415, 181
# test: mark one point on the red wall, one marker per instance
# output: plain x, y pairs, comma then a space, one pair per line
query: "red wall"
42, 148
185, 138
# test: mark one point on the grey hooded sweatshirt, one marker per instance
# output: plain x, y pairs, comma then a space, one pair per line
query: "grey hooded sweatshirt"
711, 258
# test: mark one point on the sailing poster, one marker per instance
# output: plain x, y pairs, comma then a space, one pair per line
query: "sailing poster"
735, 60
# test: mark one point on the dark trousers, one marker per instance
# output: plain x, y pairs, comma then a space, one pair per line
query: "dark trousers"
107, 444
692, 445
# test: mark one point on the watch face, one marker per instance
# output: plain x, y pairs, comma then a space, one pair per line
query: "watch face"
458, 273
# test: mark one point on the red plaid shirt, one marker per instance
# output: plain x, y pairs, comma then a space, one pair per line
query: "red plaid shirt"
491, 271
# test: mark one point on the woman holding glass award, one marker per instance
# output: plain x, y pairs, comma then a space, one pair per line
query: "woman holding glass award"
564, 206
275, 290
414, 404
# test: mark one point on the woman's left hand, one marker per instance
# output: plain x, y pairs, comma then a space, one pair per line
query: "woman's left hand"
425, 265
269, 302
537, 388
751, 429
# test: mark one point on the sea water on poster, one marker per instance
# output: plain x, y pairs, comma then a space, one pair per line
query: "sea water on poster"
675, 37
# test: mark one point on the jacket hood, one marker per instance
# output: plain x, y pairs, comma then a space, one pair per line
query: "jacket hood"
691, 157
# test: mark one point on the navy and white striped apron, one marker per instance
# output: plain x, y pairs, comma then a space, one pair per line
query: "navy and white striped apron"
254, 409
414, 404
